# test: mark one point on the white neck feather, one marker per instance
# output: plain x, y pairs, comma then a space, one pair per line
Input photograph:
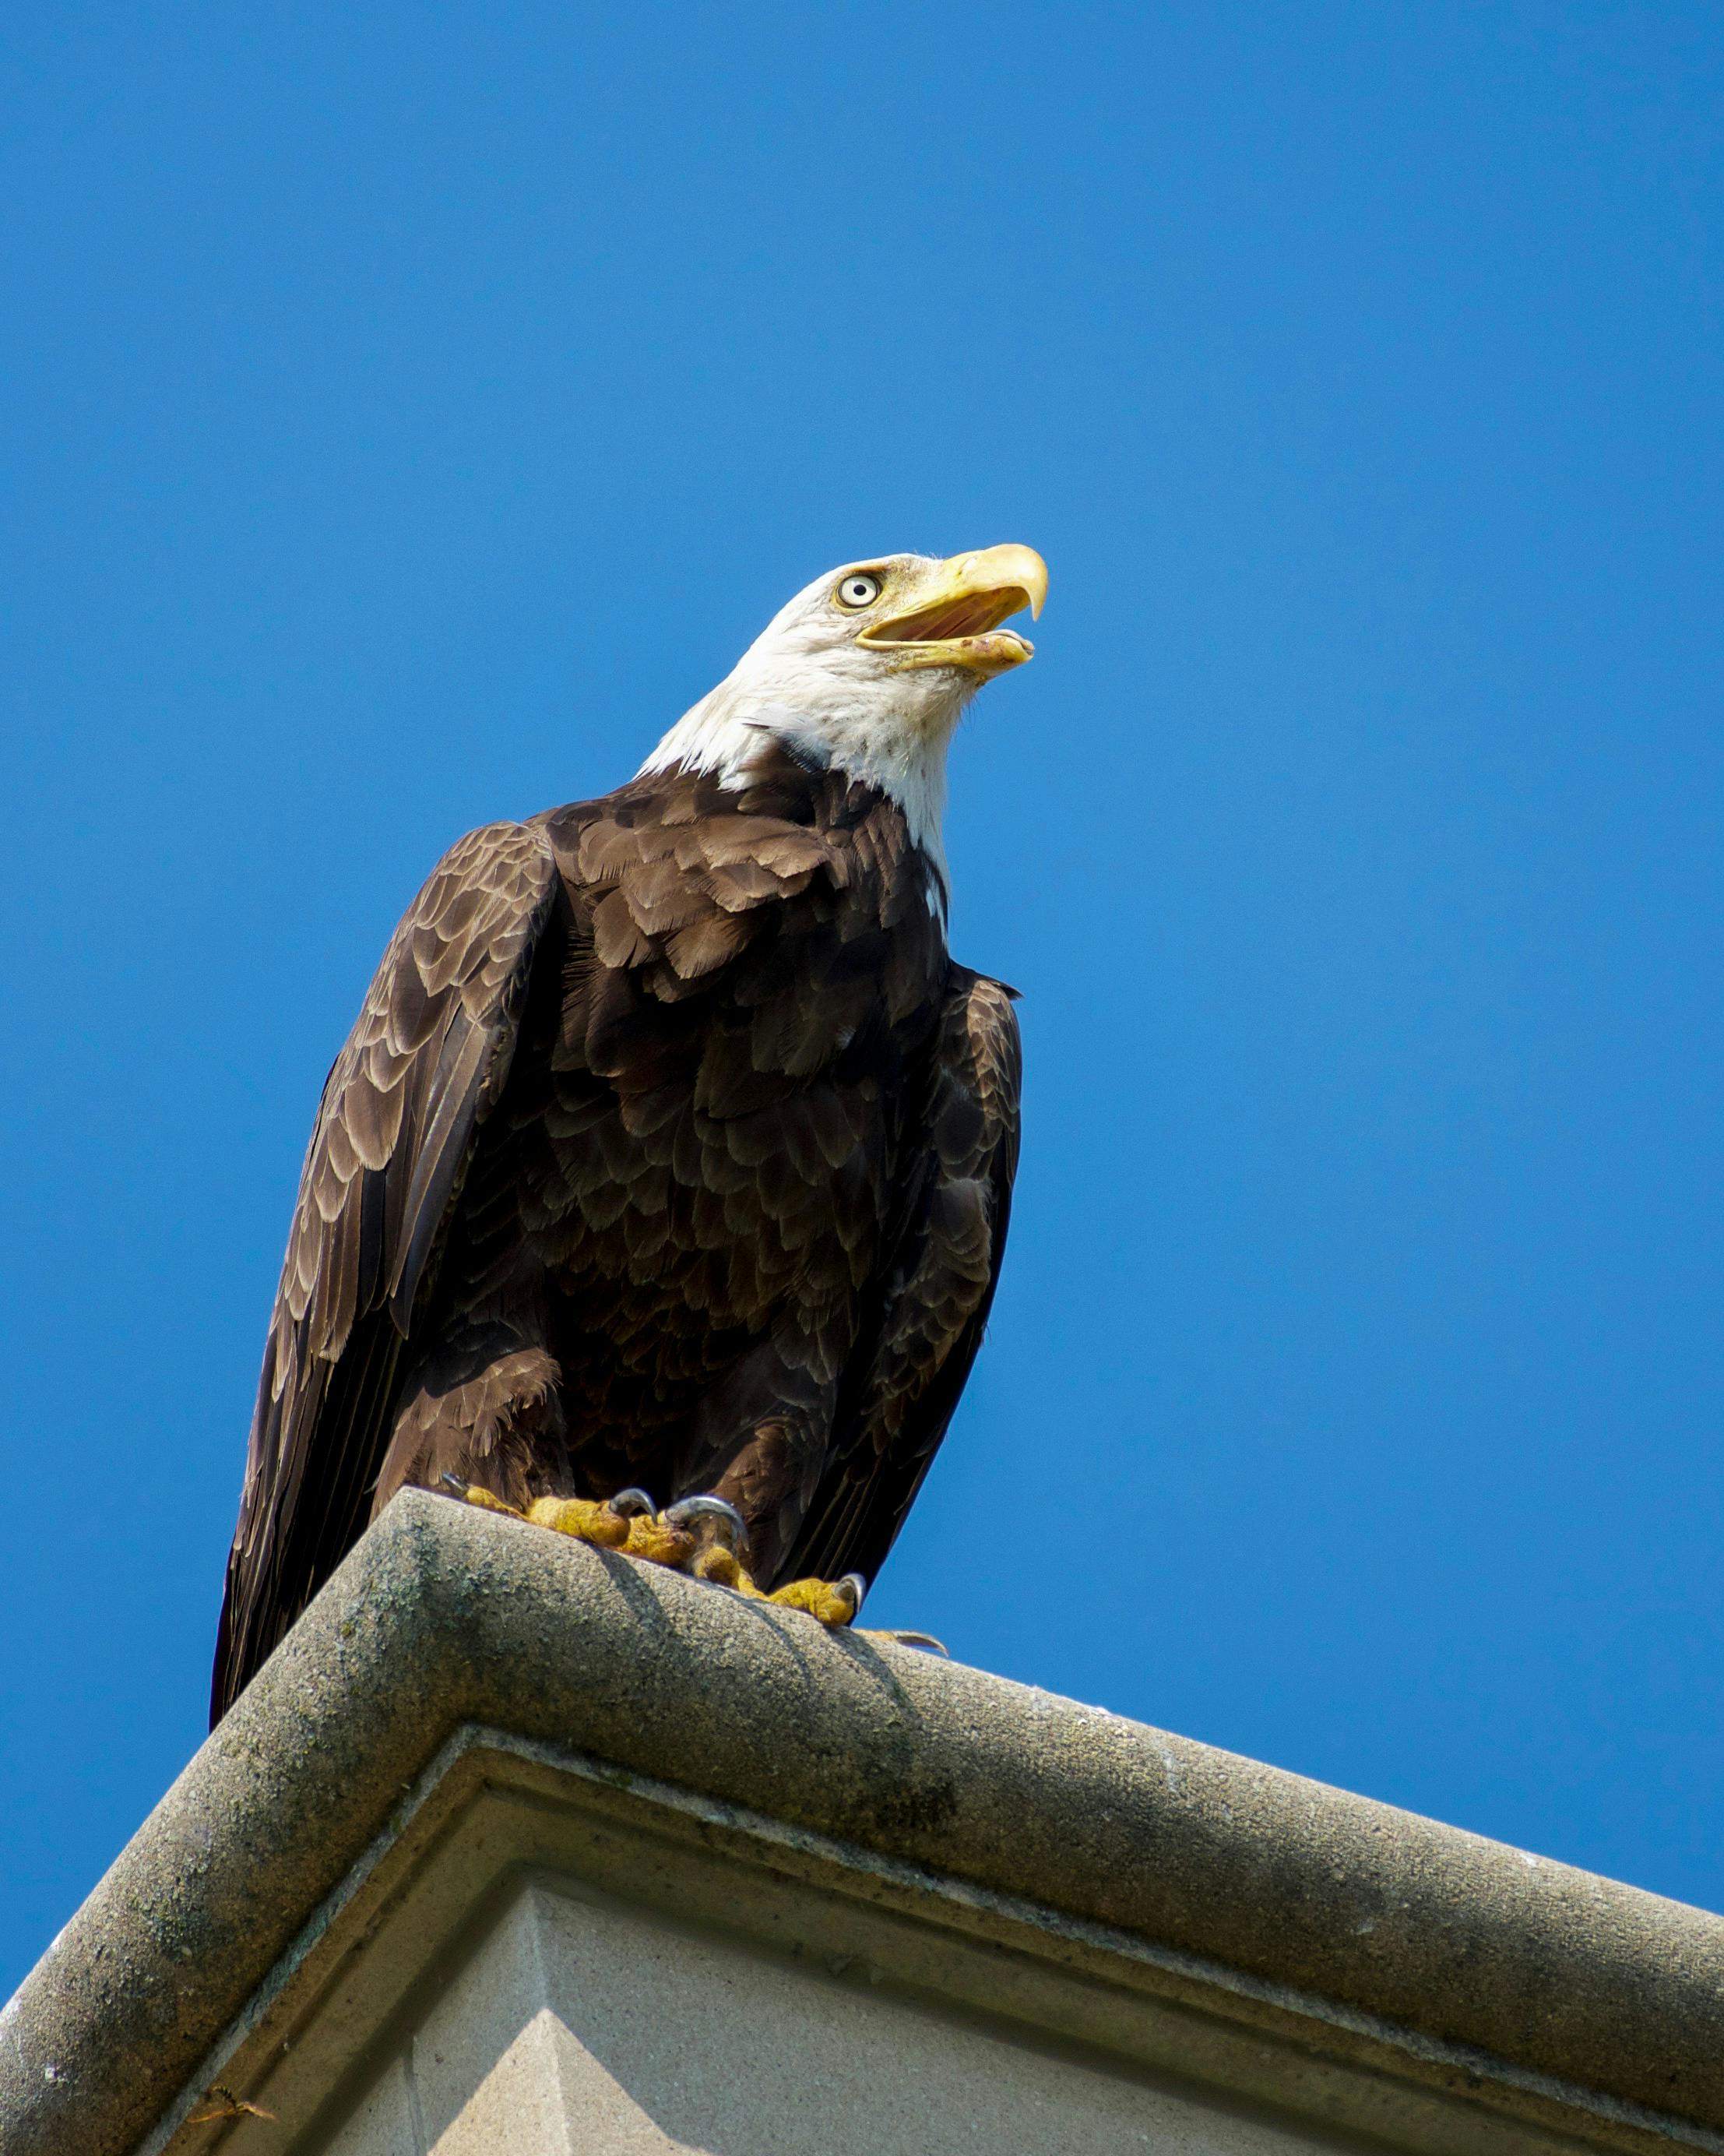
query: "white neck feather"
901, 749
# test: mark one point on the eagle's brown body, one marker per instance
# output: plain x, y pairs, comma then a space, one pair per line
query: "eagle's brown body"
670, 1148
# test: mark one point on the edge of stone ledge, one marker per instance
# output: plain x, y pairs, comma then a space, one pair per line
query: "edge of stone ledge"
444, 1615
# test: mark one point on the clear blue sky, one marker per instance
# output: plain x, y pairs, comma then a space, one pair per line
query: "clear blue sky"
411, 411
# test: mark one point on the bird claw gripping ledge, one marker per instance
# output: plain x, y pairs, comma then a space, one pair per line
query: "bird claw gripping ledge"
721, 1533
702, 1536
628, 1522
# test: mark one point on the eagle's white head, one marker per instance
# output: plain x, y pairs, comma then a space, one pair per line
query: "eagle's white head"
868, 671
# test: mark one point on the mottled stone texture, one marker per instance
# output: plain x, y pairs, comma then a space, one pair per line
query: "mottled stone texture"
445, 1616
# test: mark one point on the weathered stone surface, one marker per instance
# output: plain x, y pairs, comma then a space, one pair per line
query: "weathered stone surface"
580, 2028
445, 1617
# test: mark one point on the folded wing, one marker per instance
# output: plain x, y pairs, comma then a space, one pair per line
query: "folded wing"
932, 1304
425, 1063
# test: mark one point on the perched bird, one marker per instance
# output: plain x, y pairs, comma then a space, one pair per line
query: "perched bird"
671, 1148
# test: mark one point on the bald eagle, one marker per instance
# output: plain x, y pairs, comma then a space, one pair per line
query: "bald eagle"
670, 1147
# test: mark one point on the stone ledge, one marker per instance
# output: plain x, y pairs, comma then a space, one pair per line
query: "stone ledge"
1265, 1909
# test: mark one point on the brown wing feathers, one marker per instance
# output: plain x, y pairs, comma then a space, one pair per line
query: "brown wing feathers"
930, 1311
425, 1060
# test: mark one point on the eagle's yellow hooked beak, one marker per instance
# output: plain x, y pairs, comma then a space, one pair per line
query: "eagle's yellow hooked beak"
951, 617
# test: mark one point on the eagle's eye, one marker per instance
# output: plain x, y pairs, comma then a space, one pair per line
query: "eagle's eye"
858, 592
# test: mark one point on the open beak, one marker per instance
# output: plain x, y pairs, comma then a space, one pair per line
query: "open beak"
953, 619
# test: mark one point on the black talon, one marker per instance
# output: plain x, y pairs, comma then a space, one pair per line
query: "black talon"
858, 1586
727, 1524
451, 1481
925, 1643
632, 1505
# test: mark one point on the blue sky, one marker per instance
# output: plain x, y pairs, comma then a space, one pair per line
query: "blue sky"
412, 411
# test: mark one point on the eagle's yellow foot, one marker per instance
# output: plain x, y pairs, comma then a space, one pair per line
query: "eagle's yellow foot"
626, 1522
716, 1532
833, 1601
719, 1530
654, 1535
581, 1517
470, 1493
